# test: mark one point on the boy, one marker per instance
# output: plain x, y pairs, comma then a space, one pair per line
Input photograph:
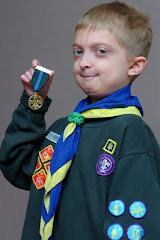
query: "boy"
111, 189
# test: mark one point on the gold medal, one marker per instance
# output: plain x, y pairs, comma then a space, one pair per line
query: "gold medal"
35, 102
38, 81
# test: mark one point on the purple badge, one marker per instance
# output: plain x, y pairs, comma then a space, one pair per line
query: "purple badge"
105, 165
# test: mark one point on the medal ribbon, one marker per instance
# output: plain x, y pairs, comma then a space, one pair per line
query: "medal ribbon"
118, 103
39, 78
38, 81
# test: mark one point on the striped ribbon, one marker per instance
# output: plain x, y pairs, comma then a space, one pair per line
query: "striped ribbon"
39, 78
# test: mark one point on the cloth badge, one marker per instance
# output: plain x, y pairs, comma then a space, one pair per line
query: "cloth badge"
39, 179
110, 146
137, 209
53, 137
38, 165
46, 166
105, 165
115, 232
116, 208
46, 153
135, 232
42, 167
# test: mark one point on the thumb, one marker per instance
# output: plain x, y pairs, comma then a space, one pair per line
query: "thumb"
35, 62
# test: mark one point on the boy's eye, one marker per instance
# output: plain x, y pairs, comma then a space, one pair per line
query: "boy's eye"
77, 52
101, 51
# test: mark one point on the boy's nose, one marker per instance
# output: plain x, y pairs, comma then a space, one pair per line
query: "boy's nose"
85, 61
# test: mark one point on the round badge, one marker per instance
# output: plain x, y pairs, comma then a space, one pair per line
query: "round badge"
116, 208
137, 209
35, 102
135, 232
105, 165
115, 231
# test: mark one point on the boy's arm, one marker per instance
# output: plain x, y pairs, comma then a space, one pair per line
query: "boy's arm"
135, 191
23, 136
136, 180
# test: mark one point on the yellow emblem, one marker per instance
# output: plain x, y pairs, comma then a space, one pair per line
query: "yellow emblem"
110, 146
35, 102
136, 234
116, 209
114, 233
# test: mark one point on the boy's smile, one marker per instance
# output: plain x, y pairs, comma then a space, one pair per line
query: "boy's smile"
100, 66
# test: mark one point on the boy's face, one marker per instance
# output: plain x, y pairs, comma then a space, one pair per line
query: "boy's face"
100, 63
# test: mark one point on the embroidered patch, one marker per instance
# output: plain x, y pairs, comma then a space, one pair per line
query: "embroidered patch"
137, 209
116, 208
46, 165
46, 153
53, 137
115, 231
105, 165
110, 146
38, 165
39, 179
135, 232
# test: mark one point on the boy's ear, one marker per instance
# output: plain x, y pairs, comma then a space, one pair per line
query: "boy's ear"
137, 66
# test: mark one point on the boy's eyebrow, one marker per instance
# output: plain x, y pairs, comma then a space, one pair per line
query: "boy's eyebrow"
95, 44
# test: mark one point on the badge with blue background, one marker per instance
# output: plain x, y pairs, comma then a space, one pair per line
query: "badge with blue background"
115, 232
116, 208
137, 209
135, 232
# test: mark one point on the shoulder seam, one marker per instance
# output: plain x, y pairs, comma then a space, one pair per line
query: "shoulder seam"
138, 153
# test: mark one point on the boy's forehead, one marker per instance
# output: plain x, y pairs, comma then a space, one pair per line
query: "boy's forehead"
88, 35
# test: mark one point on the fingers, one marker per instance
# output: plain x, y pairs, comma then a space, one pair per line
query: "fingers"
24, 79
35, 62
27, 76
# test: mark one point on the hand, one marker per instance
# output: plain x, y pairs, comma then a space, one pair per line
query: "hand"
26, 81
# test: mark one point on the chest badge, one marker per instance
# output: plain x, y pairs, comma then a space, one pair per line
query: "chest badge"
39, 179
137, 209
53, 137
110, 146
116, 208
46, 153
135, 232
115, 232
105, 165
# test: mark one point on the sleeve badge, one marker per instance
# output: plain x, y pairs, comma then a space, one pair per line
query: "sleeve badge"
115, 231
137, 209
135, 232
116, 208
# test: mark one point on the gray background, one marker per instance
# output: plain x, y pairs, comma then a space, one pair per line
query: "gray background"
44, 30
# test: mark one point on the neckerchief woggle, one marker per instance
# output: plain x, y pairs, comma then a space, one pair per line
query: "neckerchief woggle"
119, 103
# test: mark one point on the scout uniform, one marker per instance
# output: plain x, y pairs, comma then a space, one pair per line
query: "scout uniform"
112, 188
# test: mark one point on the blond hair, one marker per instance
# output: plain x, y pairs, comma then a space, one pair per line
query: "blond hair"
131, 27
